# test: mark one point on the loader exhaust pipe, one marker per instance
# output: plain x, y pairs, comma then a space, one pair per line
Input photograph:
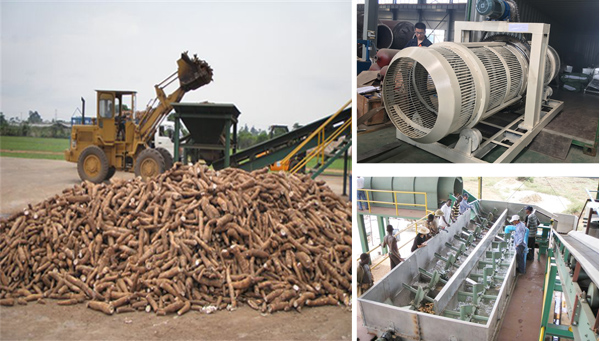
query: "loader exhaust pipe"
82, 110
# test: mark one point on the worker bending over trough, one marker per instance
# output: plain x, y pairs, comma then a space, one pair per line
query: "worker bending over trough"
464, 204
420, 239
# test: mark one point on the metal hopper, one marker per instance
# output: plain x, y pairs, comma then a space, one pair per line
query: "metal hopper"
209, 126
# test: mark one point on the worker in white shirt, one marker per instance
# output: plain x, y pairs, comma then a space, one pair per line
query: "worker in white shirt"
446, 211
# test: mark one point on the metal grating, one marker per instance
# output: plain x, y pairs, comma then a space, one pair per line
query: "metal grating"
496, 73
514, 67
412, 97
468, 91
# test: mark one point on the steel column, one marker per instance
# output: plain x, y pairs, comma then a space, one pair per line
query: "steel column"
176, 140
362, 233
381, 229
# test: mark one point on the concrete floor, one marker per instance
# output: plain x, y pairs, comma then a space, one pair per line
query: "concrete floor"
523, 314
584, 107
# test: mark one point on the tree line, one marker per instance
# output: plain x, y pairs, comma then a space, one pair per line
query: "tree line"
247, 136
16, 127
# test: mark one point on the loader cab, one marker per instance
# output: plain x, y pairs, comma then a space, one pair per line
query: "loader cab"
115, 110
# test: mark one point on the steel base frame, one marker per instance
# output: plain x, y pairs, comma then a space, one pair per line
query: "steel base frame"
523, 139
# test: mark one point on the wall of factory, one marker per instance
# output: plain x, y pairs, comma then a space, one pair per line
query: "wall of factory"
575, 47
579, 48
433, 19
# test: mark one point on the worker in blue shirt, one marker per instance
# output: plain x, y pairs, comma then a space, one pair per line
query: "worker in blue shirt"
419, 39
464, 204
520, 243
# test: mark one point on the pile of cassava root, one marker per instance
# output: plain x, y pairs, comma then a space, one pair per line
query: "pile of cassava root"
190, 239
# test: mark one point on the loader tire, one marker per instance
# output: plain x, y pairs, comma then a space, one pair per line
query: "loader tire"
166, 156
92, 164
111, 172
149, 163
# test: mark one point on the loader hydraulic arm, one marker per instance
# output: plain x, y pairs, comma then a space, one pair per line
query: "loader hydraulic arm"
192, 74
153, 116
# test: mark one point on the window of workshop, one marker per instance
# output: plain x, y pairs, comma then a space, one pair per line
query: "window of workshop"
435, 36
392, 1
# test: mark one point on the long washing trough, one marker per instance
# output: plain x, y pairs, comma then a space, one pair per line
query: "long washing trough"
457, 287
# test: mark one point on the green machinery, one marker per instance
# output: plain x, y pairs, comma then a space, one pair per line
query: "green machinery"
273, 150
212, 131
213, 137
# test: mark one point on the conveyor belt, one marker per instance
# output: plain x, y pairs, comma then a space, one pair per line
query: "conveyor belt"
587, 257
265, 153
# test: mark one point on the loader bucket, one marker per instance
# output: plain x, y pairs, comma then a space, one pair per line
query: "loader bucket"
193, 73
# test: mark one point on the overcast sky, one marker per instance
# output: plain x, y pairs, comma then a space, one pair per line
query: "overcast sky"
279, 62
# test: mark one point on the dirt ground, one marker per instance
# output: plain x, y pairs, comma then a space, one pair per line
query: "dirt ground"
24, 181
54, 322
555, 194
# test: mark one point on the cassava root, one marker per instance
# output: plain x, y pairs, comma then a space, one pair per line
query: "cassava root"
190, 239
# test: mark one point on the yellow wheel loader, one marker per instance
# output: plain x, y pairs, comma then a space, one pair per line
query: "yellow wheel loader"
116, 140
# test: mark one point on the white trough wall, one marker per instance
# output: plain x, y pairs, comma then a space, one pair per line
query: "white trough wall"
378, 316
381, 316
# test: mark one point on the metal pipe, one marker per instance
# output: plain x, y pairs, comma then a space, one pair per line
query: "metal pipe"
384, 56
385, 37
402, 32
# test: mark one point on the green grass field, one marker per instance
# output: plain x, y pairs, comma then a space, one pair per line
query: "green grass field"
33, 147
47, 148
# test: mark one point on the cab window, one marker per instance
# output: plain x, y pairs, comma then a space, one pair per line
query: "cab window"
106, 107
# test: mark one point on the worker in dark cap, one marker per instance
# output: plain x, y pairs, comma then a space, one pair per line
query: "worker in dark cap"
363, 274
532, 222
419, 39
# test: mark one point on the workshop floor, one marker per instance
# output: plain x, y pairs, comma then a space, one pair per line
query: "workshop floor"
524, 311
578, 118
